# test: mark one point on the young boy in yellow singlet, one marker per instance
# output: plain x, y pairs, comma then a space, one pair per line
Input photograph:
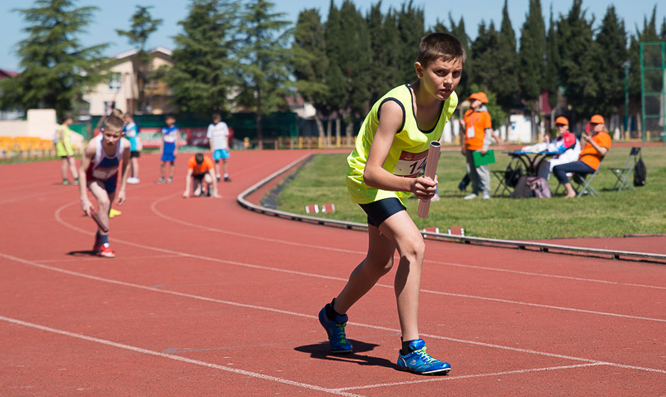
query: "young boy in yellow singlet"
382, 172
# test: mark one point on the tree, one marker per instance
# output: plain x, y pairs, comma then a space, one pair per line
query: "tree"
309, 62
204, 69
532, 53
143, 25
506, 85
612, 46
55, 68
384, 39
577, 69
263, 59
551, 82
411, 27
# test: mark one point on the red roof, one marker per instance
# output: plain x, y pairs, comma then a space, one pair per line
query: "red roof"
7, 73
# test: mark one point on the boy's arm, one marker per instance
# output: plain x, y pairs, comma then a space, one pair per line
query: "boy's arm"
211, 172
88, 154
177, 132
125, 171
375, 175
188, 180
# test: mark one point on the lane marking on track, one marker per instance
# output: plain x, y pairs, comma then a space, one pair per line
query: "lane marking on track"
178, 358
314, 275
309, 316
97, 258
452, 378
154, 209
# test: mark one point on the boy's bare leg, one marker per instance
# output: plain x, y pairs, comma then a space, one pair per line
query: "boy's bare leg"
172, 167
63, 168
376, 264
162, 169
72, 167
135, 167
408, 239
103, 203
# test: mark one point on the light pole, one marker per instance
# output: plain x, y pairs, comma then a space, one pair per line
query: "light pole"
626, 65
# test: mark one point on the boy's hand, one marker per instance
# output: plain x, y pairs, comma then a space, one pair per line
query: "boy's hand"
424, 188
215, 195
86, 206
120, 199
186, 194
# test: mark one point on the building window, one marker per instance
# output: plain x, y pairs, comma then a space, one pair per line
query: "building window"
116, 82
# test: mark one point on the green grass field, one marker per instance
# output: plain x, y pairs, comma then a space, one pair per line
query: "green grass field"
612, 213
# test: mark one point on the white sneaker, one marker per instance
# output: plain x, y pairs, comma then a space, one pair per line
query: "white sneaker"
470, 196
132, 180
435, 197
485, 196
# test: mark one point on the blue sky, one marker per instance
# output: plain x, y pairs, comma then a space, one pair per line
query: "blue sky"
116, 14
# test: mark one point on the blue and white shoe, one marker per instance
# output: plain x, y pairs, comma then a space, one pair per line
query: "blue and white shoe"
336, 332
420, 362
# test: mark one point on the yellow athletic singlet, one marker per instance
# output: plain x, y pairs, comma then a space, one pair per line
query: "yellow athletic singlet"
408, 152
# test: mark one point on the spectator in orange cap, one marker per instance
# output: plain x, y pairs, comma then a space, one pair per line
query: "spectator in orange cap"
594, 148
565, 145
478, 133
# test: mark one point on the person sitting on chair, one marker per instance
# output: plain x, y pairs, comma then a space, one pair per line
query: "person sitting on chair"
565, 145
594, 148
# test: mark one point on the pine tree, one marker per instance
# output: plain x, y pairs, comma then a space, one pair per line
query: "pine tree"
310, 62
612, 45
55, 68
551, 80
532, 53
411, 27
203, 73
506, 84
577, 67
143, 25
384, 39
337, 85
264, 60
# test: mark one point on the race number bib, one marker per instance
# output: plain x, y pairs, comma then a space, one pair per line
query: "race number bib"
410, 164
171, 138
470, 132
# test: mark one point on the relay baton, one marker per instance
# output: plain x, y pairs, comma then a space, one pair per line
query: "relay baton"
98, 222
431, 172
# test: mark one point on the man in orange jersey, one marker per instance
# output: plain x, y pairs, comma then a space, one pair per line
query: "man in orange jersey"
477, 137
200, 170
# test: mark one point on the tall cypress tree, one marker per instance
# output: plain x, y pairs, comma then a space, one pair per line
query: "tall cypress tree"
506, 84
577, 70
143, 25
551, 81
264, 59
310, 63
384, 39
204, 69
55, 68
532, 53
411, 27
612, 47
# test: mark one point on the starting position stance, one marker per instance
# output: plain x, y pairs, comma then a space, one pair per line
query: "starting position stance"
99, 173
382, 172
200, 170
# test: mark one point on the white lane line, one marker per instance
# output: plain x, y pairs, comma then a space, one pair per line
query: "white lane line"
96, 258
266, 268
453, 378
154, 209
309, 316
178, 358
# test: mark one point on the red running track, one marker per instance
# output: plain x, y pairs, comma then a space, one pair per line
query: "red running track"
208, 299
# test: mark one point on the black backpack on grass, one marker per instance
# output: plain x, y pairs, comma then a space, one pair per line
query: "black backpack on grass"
640, 173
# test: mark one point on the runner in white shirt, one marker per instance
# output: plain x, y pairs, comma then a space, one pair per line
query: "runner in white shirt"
218, 136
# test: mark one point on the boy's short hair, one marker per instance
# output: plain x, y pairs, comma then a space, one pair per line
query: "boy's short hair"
217, 116
113, 123
64, 118
199, 158
440, 46
170, 116
116, 112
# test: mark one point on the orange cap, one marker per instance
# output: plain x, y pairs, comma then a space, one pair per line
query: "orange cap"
562, 120
480, 96
597, 119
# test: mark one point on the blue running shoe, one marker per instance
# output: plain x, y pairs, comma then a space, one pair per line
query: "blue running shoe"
336, 332
420, 362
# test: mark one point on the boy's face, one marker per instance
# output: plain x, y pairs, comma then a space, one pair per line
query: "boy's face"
170, 121
111, 137
440, 78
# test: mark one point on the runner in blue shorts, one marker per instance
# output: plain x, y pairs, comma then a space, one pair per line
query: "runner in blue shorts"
169, 149
218, 136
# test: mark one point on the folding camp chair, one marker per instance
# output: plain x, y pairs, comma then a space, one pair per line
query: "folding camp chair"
622, 173
581, 183
502, 186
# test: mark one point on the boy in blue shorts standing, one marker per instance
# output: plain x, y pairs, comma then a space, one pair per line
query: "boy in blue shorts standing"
218, 136
132, 135
169, 149
98, 173
382, 172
